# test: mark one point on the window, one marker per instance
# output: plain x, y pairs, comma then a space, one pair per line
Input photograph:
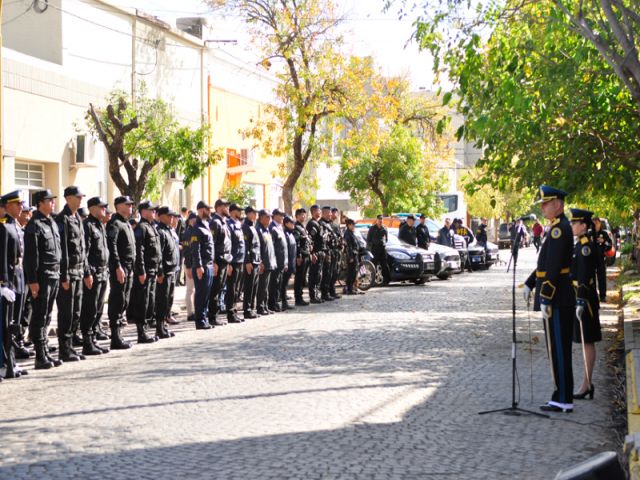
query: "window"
30, 175
450, 202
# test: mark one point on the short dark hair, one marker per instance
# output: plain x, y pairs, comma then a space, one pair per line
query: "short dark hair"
314, 207
184, 209
300, 211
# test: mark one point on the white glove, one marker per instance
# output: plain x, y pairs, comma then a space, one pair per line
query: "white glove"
526, 294
546, 311
579, 311
8, 294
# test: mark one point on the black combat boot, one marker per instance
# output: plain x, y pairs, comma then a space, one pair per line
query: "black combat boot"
162, 331
100, 334
65, 352
142, 335
42, 362
76, 340
117, 342
88, 347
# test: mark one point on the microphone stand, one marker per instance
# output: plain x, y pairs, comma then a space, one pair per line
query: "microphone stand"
514, 410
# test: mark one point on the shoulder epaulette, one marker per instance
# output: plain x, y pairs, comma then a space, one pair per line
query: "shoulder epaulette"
584, 240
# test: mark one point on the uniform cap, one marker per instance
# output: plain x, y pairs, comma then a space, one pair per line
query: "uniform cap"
147, 205
315, 206
580, 215
43, 195
263, 213
288, 219
234, 207
10, 197
548, 193
123, 199
166, 211
192, 216
249, 209
410, 217
277, 211
202, 204
96, 201
326, 207
349, 221
220, 202
73, 191
334, 210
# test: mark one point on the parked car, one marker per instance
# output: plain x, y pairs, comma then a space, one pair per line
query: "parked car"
504, 236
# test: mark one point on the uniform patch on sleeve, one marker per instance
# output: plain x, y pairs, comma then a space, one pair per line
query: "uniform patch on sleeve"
556, 233
586, 251
194, 239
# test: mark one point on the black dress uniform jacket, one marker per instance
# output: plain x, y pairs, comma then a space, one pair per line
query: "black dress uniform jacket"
292, 249
267, 251
170, 252
303, 241
221, 238
121, 242
74, 261
317, 235
11, 254
583, 275
95, 235
481, 234
42, 253
551, 278
201, 245
280, 247
237, 240
148, 250
408, 234
422, 235
252, 243
352, 247
377, 237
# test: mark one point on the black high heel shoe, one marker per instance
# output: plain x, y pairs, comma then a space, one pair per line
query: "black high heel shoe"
583, 396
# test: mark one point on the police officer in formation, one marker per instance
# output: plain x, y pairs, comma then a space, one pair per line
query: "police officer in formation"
422, 233
74, 259
377, 238
407, 231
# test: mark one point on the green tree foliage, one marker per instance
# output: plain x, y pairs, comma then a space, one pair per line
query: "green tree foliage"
144, 142
242, 195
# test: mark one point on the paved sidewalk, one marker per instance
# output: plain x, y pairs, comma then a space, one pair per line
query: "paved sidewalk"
382, 386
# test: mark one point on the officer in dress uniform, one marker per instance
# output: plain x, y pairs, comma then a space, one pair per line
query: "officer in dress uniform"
73, 268
282, 260
42, 256
377, 238
122, 256
147, 271
603, 244
303, 256
338, 252
554, 296
222, 240
96, 276
331, 247
185, 240
252, 263
12, 287
586, 329
269, 262
422, 233
234, 281
203, 267
352, 251
319, 243
289, 228
170, 248
481, 233
407, 232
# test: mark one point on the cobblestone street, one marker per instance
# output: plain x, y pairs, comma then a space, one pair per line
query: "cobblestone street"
382, 386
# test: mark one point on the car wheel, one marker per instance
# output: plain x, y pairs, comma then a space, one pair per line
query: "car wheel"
420, 281
444, 276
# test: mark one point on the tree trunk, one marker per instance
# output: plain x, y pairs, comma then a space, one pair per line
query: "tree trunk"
289, 184
375, 188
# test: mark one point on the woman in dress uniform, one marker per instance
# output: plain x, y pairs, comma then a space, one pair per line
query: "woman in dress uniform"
583, 274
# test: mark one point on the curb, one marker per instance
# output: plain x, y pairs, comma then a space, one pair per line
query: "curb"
631, 322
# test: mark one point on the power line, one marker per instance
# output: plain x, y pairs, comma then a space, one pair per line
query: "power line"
20, 14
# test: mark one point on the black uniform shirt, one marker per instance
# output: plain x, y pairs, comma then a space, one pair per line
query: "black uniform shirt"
42, 253
422, 235
583, 271
317, 235
303, 241
445, 237
169, 247
352, 247
408, 234
201, 245
551, 277
279, 245
252, 243
291, 248
185, 241
481, 234
237, 240
74, 259
121, 243
331, 242
148, 250
11, 254
95, 235
221, 238
266, 248
377, 237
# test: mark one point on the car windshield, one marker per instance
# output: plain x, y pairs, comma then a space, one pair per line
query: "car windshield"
432, 226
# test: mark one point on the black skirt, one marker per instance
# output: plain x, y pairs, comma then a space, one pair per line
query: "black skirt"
590, 321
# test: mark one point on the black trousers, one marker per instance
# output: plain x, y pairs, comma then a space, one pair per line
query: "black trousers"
262, 294
537, 242
92, 305
219, 281
143, 300
352, 271
164, 298
69, 305
41, 308
315, 276
301, 274
275, 286
559, 336
119, 296
601, 273
380, 257
7, 352
234, 282
286, 277
336, 260
250, 286
327, 275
